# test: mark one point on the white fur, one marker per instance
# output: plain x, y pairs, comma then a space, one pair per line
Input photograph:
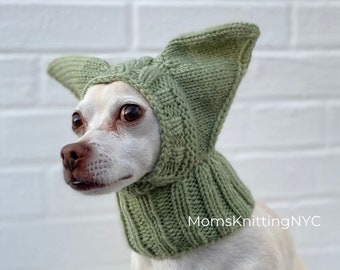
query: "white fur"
134, 150
128, 150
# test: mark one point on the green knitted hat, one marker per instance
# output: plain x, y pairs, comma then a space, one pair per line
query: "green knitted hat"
190, 87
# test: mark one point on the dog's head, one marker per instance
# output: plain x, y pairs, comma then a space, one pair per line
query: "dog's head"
189, 86
119, 140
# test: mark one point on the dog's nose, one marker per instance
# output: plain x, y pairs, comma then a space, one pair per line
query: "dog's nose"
72, 153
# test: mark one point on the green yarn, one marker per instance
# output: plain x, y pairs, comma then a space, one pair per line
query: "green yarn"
190, 87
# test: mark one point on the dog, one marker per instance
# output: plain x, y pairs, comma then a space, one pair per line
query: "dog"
119, 142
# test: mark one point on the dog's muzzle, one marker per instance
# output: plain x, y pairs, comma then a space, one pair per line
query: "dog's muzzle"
75, 157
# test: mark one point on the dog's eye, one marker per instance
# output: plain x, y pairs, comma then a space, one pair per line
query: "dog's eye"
76, 121
130, 113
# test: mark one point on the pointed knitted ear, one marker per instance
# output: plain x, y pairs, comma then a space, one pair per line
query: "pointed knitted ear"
74, 72
209, 66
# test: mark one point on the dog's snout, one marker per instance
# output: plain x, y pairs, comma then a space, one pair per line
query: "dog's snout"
72, 153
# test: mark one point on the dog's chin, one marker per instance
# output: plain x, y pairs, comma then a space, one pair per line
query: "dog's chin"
93, 187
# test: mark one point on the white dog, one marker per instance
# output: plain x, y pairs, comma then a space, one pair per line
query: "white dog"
119, 143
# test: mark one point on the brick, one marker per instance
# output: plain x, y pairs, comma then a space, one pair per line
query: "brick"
35, 136
296, 76
319, 1
3, 142
333, 114
157, 24
18, 81
53, 26
288, 124
309, 236
328, 174
56, 95
317, 25
321, 258
289, 175
76, 245
236, 129
323, 208
314, 244
64, 201
278, 125
23, 193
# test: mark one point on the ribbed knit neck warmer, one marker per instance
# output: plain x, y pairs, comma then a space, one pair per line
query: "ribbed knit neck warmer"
190, 87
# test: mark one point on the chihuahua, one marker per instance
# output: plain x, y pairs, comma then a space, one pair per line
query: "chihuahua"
119, 143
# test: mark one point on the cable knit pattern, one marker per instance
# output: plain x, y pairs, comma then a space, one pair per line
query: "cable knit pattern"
190, 87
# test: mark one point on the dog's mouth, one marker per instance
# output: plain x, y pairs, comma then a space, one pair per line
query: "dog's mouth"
83, 185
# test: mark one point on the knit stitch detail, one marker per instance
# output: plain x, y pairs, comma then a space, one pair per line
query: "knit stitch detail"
157, 223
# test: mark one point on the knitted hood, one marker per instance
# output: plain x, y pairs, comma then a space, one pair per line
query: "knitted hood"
190, 87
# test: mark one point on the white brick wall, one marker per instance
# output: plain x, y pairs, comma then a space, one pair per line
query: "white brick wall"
282, 134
